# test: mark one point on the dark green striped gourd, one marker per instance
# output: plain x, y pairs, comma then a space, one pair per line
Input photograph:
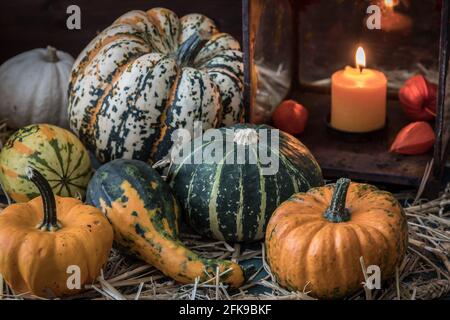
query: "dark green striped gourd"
234, 201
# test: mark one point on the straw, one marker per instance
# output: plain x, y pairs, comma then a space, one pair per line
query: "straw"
424, 274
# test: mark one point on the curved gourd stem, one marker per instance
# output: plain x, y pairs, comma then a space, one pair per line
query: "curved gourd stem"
50, 222
189, 50
337, 212
52, 55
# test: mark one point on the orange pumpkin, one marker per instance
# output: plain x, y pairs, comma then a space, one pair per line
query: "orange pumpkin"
315, 240
39, 250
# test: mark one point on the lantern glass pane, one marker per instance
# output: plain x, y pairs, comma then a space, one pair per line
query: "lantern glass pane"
272, 41
407, 43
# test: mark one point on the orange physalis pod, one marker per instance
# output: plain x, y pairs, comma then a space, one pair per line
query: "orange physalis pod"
416, 138
290, 117
418, 99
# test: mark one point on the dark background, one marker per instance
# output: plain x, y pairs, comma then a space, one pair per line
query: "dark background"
29, 24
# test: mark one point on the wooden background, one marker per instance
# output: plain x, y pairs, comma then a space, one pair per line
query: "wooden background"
29, 24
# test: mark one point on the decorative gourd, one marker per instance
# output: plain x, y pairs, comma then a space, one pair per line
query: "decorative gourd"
315, 240
234, 201
149, 74
144, 215
41, 241
33, 88
55, 152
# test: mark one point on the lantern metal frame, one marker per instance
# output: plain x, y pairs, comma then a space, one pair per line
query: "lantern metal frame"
427, 171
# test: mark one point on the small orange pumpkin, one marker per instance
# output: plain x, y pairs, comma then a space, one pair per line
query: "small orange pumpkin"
37, 249
315, 240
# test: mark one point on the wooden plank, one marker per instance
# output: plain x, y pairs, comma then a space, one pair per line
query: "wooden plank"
29, 24
359, 157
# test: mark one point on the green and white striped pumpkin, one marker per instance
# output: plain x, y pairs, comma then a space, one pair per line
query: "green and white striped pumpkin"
149, 74
55, 152
234, 201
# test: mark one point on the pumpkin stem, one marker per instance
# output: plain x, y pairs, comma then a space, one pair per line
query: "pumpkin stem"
189, 50
246, 137
52, 54
337, 212
50, 222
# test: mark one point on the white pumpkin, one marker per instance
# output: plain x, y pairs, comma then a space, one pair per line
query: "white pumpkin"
33, 88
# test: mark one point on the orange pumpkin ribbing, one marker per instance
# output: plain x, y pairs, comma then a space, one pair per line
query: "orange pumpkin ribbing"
307, 251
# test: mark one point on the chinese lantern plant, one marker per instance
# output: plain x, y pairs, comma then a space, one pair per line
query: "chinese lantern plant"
418, 98
416, 138
315, 240
41, 239
144, 215
290, 117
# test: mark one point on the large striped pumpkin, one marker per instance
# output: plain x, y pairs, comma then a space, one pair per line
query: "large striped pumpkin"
234, 201
55, 152
149, 74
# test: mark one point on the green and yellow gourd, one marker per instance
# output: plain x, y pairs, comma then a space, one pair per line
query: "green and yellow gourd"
144, 215
55, 152
234, 201
149, 74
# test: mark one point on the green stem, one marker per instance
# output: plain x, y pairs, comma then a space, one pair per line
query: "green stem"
50, 222
337, 212
189, 50
52, 54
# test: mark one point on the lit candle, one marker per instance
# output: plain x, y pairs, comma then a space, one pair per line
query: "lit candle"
392, 21
358, 98
390, 3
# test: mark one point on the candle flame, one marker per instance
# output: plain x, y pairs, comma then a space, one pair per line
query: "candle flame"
360, 58
390, 3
